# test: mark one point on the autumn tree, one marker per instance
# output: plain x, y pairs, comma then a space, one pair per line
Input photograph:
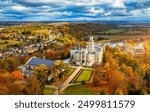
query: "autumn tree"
97, 75
16, 88
42, 73
33, 86
9, 83
6, 78
117, 82
4, 90
60, 70
9, 64
17, 75
147, 53
135, 83
147, 79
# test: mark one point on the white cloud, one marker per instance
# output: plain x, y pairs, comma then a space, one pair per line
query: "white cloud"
114, 3
136, 12
118, 3
52, 14
65, 13
107, 13
93, 11
19, 8
140, 12
85, 2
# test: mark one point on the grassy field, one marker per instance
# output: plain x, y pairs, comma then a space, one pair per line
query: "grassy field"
84, 75
49, 91
70, 71
4, 43
114, 31
77, 90
116, 37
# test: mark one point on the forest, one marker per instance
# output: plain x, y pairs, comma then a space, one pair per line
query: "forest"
123, 74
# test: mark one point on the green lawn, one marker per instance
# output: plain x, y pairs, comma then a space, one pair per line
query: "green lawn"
70, 71
84, 75
49, 91
77, 90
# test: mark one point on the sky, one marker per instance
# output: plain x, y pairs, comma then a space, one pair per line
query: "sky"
75, 10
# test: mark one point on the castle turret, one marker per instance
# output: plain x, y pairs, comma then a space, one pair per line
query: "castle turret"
91, 44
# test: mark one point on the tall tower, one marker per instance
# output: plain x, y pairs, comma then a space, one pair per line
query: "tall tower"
91, 44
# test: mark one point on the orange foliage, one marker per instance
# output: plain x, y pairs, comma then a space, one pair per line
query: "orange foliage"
117, 82
17, 75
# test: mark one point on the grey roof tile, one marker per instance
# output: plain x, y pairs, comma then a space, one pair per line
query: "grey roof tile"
38, 61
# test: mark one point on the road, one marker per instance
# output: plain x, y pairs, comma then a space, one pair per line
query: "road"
67, 82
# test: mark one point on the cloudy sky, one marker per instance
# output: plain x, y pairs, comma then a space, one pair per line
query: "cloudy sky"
75, 10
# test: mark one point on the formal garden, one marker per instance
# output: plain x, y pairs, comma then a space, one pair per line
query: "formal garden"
83, 76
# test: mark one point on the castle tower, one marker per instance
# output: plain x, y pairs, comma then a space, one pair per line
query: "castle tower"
91, 44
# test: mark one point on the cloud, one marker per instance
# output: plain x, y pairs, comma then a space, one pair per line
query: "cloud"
19, 8
96, 11
39, 3
140, 4
118, 3
73, 10
93, 11
140, 12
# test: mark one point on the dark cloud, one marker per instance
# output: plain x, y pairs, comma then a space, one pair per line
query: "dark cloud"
137, 5
36, 3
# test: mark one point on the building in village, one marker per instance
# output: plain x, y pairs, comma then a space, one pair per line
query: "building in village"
135, 50
91, 54
33, 62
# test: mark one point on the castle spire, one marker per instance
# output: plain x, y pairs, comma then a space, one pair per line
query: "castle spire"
91, 44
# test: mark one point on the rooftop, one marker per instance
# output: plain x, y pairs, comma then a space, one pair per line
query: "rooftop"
38, 61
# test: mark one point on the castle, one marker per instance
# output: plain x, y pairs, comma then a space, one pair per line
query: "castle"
91, 54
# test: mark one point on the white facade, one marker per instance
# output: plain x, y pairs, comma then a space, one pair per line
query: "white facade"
93, 53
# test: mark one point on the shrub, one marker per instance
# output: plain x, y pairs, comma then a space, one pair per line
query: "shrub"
102, 92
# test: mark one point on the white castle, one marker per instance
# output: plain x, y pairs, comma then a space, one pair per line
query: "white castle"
91, 54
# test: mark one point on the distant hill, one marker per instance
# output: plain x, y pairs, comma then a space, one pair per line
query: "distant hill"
10, 23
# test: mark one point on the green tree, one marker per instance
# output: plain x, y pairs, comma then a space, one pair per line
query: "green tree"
60, 69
